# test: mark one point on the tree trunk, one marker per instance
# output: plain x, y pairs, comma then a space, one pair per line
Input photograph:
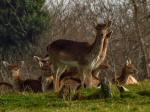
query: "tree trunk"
140, 38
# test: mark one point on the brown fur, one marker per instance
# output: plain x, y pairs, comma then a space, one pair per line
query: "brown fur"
82, 54
6, 87
47, 77
23, 85
73, 74
104, 50
127, 73
70, 50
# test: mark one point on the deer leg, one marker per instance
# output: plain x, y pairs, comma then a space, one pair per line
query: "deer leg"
55, 82
89, 79
44, 86
57, 77
83, 79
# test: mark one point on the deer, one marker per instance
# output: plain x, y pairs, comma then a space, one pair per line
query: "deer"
65, 54
128, 71
6, 87
70, 74
20, 84
70, 83
47, 77
69, 87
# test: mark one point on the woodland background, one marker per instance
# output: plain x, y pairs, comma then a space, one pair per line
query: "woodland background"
28, 26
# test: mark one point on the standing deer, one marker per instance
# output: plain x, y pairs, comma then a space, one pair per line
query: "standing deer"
19, 83
128, 71
72, 74
65, 54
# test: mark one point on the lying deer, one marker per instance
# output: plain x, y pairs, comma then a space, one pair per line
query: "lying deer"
47, 77
5, 87
128, 71
70, 83
69, 87
19, 83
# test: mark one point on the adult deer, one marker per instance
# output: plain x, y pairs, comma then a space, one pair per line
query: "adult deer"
19, 83
128, 71
85, 57
70, 74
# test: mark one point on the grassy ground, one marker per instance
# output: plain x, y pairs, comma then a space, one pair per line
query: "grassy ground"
137, 100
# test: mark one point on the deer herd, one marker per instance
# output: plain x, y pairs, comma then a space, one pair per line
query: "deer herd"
71, 64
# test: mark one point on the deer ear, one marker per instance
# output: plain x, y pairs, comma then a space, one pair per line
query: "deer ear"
130, 61
22, 63
109, 34
5, 63
36, 58
127, 62
39, 60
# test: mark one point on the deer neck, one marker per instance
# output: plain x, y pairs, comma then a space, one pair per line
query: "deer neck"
18, 84
17, 80
104, 52
96, 49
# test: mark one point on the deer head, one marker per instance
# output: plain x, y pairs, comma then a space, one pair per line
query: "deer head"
45, 65
130, 68
103, 28
14, 68
43, 62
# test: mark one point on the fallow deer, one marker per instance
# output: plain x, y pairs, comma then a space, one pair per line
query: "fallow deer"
85, 57
128, 71
47, 76
67, 79
69, 87
72, 74
6, 87
19, 83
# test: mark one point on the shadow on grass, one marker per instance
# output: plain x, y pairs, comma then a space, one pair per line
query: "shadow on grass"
144, 93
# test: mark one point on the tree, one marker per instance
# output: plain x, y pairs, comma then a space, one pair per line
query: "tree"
21, 21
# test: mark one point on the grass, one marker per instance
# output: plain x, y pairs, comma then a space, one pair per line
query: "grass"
136, 100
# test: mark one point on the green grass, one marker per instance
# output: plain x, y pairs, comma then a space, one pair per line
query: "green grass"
136, 100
